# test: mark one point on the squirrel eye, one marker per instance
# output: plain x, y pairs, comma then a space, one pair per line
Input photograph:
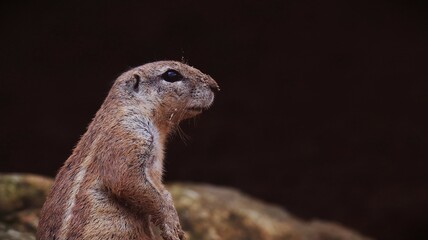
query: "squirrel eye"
172, 76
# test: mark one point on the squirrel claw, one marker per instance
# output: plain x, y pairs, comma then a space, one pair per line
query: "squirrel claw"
172, 233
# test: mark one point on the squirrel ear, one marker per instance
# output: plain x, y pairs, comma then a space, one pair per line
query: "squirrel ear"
136, 85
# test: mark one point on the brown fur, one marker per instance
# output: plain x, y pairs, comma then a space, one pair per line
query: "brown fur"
111, 186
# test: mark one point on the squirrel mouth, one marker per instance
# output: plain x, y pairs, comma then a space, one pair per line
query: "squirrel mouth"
196, 109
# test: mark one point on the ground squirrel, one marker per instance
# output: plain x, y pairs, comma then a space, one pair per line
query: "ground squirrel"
111, 185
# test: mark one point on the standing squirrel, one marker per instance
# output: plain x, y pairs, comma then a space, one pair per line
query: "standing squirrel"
111, 185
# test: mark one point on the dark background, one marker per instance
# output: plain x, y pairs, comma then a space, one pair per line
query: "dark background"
322, 109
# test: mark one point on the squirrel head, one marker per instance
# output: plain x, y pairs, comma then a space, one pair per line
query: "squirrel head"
171, 91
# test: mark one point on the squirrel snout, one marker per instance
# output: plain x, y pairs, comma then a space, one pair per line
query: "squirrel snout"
213, 85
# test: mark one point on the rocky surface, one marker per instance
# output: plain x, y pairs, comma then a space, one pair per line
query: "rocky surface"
21, 196
206, 212
209, 212
7, 233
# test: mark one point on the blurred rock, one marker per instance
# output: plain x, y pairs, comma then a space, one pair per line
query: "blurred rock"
21, 197
7, 233
209, 212
21, 191
206, 212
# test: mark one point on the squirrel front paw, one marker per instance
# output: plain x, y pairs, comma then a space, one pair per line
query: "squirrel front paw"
172, 231
170, 223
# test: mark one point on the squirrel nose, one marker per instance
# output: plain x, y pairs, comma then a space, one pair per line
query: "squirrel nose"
213, 85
